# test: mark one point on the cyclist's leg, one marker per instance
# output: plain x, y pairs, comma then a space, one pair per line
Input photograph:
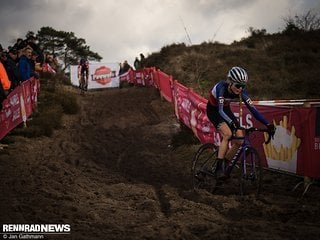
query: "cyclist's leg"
86, 82
236, 143
226, 134
235, 146
79, 77
82, 82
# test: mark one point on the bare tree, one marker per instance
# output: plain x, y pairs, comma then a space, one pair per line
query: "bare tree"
305, 22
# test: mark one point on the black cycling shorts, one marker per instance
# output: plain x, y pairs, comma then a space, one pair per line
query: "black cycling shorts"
215, 117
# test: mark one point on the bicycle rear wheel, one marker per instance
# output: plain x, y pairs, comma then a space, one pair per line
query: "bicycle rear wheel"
204, 166
251, 173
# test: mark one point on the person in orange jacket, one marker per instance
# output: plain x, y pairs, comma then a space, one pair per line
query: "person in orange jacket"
5, 84
4, 78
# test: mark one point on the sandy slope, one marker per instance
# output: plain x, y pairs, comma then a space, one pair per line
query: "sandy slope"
110, 174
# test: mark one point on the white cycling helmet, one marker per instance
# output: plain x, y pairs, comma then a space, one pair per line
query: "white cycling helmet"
237, 75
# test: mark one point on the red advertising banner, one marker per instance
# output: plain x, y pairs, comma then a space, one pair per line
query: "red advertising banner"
18, 105
190, 108
127, 76
165, 85
148, 76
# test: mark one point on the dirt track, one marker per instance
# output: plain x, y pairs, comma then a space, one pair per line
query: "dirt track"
111, 174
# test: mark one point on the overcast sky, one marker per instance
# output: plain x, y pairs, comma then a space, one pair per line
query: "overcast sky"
121, 29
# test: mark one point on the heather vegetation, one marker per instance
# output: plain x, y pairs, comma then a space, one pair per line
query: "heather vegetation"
282, 65
54, 101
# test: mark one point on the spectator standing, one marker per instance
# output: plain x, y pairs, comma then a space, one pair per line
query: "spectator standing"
4, 78
120, 68
12, 68
136, 63
5, 84
19, 44
4, 57
33, 64
142, 61
24, 64
33, 43
126, 66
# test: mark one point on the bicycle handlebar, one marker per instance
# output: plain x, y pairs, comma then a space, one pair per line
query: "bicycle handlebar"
254, 129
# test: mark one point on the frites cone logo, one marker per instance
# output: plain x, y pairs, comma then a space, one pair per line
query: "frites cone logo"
281, 152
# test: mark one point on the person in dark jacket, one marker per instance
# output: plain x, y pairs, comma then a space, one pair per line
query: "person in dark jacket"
12, 68
24, 64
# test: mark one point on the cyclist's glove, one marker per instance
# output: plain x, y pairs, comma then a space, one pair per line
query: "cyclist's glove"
272, 129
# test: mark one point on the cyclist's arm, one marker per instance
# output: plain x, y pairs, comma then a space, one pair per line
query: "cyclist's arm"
219, 95
253, 110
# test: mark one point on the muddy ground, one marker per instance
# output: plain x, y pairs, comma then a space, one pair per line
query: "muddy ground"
111, 173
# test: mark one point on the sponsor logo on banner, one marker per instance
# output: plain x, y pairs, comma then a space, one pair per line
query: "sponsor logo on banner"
103, 75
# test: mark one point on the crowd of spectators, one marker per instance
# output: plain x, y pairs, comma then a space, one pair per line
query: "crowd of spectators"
124, 67
20, 62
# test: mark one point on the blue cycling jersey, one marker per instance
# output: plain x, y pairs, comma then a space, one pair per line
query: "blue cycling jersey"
220, 97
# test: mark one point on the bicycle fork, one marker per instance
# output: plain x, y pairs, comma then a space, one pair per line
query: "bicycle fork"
251, 161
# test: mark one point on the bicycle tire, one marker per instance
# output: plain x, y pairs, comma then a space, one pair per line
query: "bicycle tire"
203, 167
251, 173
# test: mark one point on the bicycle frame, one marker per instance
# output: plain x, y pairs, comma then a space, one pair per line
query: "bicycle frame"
236, 157
242, 150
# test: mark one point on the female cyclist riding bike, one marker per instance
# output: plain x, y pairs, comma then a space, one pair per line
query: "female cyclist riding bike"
220, 114
83, 74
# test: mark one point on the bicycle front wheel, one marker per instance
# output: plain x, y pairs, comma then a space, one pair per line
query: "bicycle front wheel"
251, 172
204, 166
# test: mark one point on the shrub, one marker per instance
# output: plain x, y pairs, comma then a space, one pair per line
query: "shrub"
68, 102
53, 103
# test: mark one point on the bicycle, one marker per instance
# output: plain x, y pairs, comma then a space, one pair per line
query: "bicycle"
246, 159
